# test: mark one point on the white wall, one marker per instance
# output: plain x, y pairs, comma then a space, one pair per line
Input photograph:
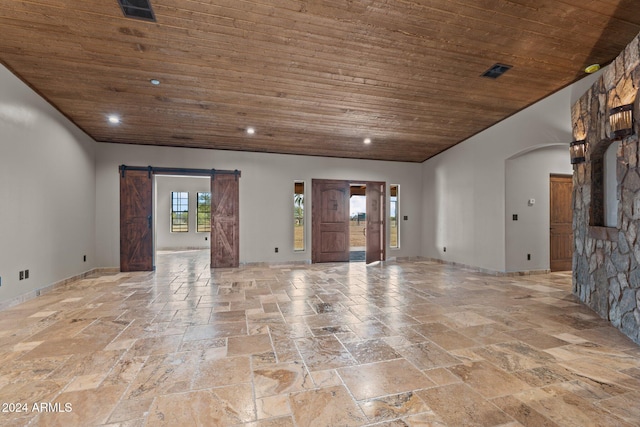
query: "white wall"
59, 190
165, 239
266, 195
463, 198
47, 183
527, 177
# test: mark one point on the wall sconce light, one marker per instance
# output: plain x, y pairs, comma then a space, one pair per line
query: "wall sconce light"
621, 121
576, 150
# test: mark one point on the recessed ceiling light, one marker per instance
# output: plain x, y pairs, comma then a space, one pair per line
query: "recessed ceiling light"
592, 68
114, 119
251, 131
367, 140
154, 82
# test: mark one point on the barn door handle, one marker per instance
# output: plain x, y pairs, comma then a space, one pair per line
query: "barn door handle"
149, 221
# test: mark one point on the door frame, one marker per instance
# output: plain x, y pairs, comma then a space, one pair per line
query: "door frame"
337, 223
376, 200
315, 229
551, 176
167, 171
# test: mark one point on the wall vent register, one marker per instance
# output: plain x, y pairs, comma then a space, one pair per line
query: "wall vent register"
137, 9
496, 71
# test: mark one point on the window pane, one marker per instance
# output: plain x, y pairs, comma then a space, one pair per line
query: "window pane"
298, 216
394, 216
179, 212
204, 213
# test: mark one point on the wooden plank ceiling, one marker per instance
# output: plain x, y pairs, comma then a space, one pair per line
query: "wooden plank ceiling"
313, 77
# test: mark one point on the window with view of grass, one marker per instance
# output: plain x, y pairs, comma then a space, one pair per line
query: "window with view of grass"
204, 213
179, 212
298, 216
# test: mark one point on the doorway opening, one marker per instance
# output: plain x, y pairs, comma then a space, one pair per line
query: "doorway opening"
357, 222
337, 230
138, 194
182, 212
561, 220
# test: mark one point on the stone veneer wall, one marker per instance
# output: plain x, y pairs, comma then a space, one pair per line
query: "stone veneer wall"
606, 260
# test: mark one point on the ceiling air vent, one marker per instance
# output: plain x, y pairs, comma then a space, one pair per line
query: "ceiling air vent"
496, 71
138, 9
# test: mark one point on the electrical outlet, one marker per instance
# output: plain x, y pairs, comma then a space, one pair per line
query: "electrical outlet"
276, 250
26, 274
84, 258
528, 257
406, 217
515, 217
445, 249
22, 275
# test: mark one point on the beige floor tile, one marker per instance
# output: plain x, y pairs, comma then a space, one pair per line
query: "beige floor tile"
427, 355
162, 374
274, 422
326, 407
85, 407
524, 414
459, 405
537, 339
468, 318
567, 409
408, 343
488, 380
624, 406
371, 351
223, 406
223, 371
383, 378
394, 406
130, 410
322, 353
85, 382
273, 406
253, 344
328, 378
280, 379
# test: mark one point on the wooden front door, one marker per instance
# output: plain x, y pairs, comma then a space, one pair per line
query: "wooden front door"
375, 194
136, 228
330, 221
225, 221
561, 240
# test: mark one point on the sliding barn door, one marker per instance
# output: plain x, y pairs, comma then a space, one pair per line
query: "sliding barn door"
136, 230
375, 194
330, 221
225, 223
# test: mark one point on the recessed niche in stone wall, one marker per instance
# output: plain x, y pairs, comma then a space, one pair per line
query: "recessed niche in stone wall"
606, 260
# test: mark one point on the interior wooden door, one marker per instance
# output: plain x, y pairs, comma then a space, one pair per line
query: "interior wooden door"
330, 221
136, 227
375, 194
561, 232
225, 222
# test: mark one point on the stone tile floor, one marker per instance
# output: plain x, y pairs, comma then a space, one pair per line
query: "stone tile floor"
406, 343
